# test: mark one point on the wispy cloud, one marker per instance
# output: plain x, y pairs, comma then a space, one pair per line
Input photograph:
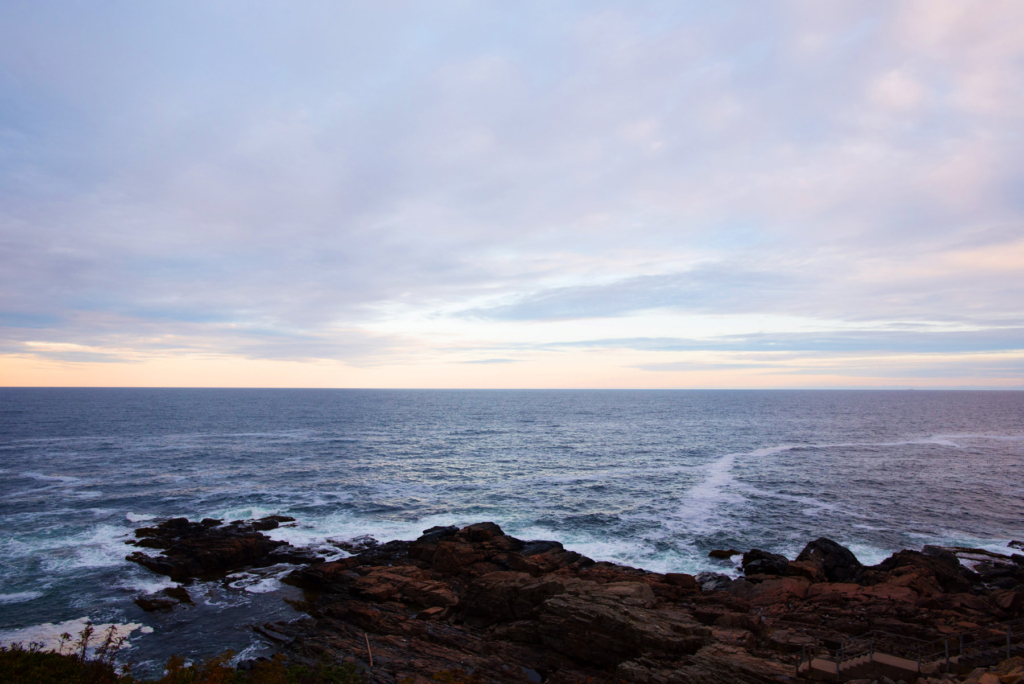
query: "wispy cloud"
400, 185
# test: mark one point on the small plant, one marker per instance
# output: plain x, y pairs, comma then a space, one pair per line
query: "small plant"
33, 665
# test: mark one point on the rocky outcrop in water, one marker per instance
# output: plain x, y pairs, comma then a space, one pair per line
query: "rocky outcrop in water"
211, 549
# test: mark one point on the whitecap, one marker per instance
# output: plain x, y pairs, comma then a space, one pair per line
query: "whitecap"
139, 517
19, 597
39, 477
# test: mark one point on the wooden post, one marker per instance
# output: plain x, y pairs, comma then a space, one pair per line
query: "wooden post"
368, 652
1007, 642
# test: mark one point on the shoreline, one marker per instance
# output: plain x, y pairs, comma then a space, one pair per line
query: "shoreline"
479, 601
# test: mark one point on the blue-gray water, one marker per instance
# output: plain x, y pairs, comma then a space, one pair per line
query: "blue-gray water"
652, 479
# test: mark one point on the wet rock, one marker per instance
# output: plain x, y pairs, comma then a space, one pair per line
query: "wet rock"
713, 581
758, 562
357, 544
164, 600
723, 554
197, 550
836, 561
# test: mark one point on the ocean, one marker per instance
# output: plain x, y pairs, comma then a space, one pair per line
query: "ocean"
654, 479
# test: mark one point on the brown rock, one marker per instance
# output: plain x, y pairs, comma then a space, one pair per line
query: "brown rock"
603, 631
770, 591
1009, 601
682, 580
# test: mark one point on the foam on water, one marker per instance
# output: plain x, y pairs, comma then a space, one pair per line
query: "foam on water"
139, 517
49, 635
20, 597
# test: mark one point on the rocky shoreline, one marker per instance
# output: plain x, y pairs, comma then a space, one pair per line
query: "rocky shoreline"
477, 605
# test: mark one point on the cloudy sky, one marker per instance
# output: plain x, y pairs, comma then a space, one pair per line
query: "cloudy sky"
498, 194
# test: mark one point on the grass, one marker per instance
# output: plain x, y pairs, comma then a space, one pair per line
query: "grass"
33, 665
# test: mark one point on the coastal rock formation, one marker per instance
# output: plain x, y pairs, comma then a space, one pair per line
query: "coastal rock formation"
210, 549
494, 608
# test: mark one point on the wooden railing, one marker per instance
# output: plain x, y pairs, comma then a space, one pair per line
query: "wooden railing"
992, 642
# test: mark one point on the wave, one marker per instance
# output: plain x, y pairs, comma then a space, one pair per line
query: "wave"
19, 597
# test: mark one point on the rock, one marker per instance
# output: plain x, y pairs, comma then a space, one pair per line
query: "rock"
164, 600
484, 531
197, 550
713, 581
836, 561
271, 522
475, 600
179, 594
761, 562
678, 579
942, 569
770, 591
151, 605
1008, 601
435, 534
355, 545
604, 631
1016, 544
807, 569
718, 553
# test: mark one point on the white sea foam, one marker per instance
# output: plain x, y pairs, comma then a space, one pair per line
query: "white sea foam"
149, 583
139, 517
48, 634
100, 547
39, 477
19, 597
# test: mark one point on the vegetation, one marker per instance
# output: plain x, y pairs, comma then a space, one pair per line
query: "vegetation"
70, 663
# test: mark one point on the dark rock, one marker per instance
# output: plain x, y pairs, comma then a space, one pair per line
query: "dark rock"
533, 548
151, 605
723, 555
758, 562
943, 568
605, 632
271, 522
179, 594
682, 580
435, 534
193, 550
480, 532
713, 581
1016, 544
164, 600
836, 561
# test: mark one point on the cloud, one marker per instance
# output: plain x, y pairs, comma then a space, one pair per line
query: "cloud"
315, 182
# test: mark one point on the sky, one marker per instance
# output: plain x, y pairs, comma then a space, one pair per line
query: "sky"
512, 195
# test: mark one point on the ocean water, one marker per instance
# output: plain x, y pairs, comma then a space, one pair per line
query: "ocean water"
654, 479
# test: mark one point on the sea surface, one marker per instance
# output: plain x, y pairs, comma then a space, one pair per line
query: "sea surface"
653, 479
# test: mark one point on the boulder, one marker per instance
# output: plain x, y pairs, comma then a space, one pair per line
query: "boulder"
837, 562
722, 554
758, 562
713, 581
943, 569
